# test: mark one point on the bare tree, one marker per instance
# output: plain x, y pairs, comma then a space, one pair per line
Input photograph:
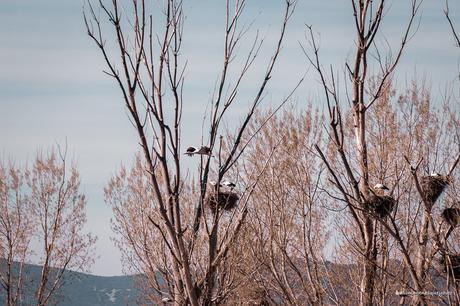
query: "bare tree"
15, 232
350, 172
150, 74
58, 209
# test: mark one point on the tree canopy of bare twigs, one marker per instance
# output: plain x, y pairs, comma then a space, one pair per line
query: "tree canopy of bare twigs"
42, 205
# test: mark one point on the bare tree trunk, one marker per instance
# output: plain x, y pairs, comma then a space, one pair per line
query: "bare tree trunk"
421, 256
210, 278
367, 282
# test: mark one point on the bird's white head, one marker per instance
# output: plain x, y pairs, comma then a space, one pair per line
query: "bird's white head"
435, 174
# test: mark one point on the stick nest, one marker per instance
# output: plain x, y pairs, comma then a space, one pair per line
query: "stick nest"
381, 205
451, 216
433, 186
454, 270
226, 200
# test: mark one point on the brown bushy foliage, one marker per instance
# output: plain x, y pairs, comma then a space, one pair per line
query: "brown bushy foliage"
42, 204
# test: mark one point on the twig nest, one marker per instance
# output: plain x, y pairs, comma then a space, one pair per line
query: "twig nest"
381, 205
433, 186
226, 200
454, 269
451, 216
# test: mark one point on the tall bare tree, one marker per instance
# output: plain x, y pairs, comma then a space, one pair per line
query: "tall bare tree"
350, 170
150, 74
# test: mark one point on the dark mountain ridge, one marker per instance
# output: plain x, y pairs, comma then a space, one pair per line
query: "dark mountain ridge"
80, 289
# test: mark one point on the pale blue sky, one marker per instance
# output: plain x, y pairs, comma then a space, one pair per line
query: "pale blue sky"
52, 87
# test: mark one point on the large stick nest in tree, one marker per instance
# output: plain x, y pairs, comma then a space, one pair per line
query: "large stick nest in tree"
381, 205
226, 200
451, 216
433, 186
454, 270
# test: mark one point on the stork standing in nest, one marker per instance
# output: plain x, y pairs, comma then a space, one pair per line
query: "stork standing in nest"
380, 189
222, 196
380, 203
228, 184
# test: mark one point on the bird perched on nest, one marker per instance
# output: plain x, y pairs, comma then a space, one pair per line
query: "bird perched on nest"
223, 196
380, 189
228, 184
380, 186
202, 151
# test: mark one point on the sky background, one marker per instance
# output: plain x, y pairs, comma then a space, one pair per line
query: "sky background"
52, 89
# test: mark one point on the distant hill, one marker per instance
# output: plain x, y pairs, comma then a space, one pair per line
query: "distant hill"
80, 289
